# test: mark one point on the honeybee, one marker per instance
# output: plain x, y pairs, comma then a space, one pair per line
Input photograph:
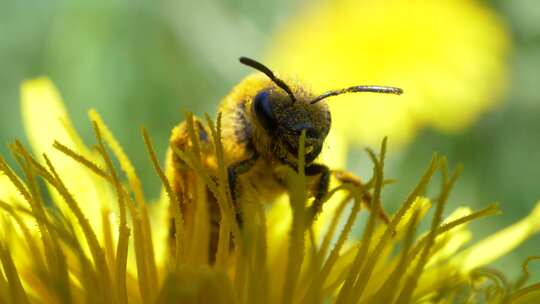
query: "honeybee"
262, 120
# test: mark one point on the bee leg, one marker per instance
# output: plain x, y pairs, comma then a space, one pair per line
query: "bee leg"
321, 189
233, 172
346, 177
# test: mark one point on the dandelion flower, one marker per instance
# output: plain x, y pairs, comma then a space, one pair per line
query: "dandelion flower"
56, 250
448, 56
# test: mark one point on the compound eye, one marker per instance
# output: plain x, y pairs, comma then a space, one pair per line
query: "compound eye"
263, 110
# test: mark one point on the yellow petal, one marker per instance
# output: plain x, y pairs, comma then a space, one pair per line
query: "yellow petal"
43, 111
452, 240
10, 195
46, 120
8, 192
279, 220
500, 243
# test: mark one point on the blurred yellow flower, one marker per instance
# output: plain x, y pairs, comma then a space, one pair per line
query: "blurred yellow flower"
447, 55
62, 252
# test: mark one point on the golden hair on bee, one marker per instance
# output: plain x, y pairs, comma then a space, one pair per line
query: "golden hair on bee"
262, 119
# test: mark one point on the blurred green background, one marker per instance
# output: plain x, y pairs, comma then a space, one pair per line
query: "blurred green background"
146, 62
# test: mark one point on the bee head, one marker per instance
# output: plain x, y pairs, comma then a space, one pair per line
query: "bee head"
284, 114
284, 120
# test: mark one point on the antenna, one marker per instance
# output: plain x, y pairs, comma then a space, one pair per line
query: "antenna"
358, 89
262, 68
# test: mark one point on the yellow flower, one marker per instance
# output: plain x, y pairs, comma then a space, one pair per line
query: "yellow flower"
46, 121
64, 251
447, 55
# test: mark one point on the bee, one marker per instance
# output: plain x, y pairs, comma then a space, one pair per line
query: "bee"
262, 120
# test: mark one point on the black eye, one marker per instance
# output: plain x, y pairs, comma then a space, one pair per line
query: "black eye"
263, 111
